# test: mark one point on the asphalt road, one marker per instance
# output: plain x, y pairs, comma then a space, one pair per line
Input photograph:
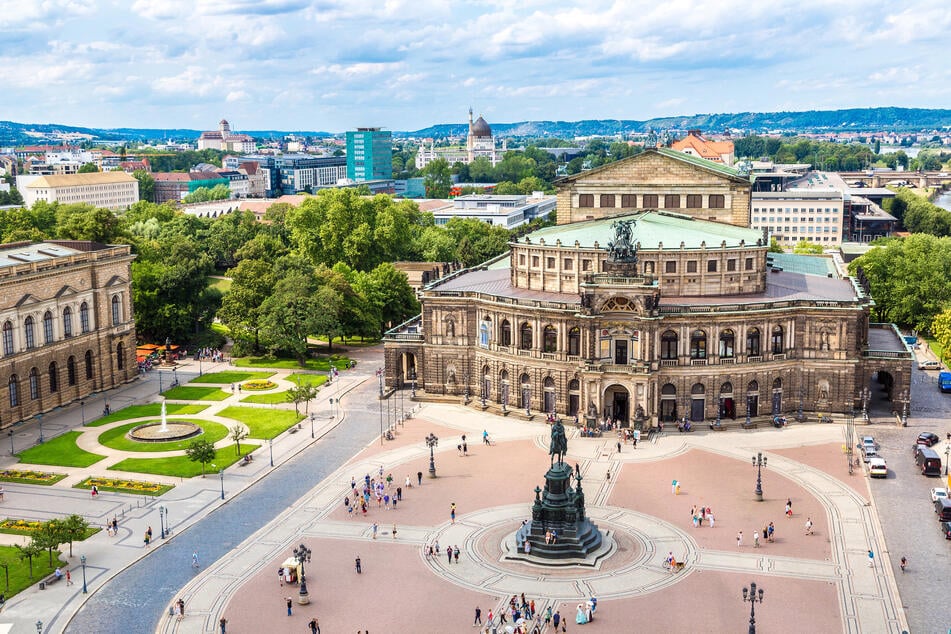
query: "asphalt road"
135, 599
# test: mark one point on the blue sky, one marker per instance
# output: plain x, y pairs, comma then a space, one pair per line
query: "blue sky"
405, 64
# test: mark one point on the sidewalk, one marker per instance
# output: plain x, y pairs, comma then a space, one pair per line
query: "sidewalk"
190, 500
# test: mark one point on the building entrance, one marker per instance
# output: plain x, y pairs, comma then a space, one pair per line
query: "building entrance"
618, 404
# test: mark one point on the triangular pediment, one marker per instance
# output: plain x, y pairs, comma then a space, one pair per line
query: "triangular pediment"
28, 299
66, 291
116, 280
661, 166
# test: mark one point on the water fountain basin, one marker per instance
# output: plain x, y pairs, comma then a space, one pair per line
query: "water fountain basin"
164, 431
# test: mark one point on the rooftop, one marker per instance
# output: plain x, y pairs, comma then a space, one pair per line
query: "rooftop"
805, 264
74, 180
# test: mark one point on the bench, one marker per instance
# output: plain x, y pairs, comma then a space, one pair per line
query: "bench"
718, 427
50, 580
245, 461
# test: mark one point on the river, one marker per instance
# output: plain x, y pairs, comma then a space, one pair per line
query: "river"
944, 200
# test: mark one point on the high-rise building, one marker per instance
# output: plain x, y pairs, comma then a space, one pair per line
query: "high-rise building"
369, 154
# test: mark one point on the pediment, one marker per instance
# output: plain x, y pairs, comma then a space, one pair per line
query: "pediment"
657, 167
28, 299
116, 280
66, 291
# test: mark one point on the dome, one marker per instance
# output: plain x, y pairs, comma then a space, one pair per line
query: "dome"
480, 128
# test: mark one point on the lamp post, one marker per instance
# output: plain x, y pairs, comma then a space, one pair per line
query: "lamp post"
82, 409
301, 555
865, 395
904, 399
947, 455
312, 415
159, 381
270, 447
719, 409
752, 595
82, 560
39, 418
221, 476
10, 433
379, 375
802, 395
759, 461
174, 377
199, 364
749, 404
850, 437
161, 519
39, 627
412, 377
431, 442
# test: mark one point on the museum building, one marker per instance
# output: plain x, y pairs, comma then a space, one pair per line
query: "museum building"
650, 301
66, 324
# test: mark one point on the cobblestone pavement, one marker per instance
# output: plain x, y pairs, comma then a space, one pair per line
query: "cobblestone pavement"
492, 489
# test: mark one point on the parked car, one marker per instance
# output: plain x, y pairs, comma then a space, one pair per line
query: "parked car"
946, 529
927, 439
938, 493
943, 508
929, 365
869, 453
868, 442
877, 468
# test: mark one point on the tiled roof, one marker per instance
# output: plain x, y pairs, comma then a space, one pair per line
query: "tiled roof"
168, 177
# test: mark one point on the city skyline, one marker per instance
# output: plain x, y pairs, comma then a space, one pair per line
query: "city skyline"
330, 65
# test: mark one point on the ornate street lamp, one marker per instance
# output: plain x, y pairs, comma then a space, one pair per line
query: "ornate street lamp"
759, 461
752, 595
850, 437
749, 404
270, 447
221, 476
39, 627
802, 395
431, 442
865, 395
301, 555
947, 456
82, 560
82, 407
312, 415
379, 374
161, 517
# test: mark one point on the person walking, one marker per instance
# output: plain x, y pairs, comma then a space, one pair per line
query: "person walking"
181, 609
710, 518
449, 554
478, 617
357, 564
788, 508
419, 478
871, 558
314, 626
195, 559
223, 624
739, 539
69, 578
452, 513
809, 526
755, 539
556, 619
619, 447
375, 529
289, 603
394, 531
455, 553
485, 437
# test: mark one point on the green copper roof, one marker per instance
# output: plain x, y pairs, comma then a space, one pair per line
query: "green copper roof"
807, 264
651, 228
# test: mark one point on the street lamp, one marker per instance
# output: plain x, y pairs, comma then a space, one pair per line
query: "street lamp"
719, 409
39, 417
759, 461
412, 377
904, 399
161, 516
159, 381
749, 404
850, 437
379, 375
865, 394
947, 455
802, 395
39, 627
302, 554
752, 595
12, 452
270, 446
168, 353
82, 408
312, 414
221, 476
431, 442
82, 560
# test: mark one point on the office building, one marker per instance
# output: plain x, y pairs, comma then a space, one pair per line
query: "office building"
369, 154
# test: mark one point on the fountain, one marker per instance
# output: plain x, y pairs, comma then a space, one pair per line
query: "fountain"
164, 428
164, 431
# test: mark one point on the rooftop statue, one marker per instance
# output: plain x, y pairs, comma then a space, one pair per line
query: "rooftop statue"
621, 247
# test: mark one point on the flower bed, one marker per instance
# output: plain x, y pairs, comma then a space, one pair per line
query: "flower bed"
124, 486
20, 527
257, 385
30, 477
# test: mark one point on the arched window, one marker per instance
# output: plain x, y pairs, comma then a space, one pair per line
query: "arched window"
525, 337
668, 345
67, 322
669, 389
120, 356
574, 341
550, 340
698, 388
28, 332
698, 345
48, 328
89, 364
7, 338
777, 384
484, 335
574, 385
14, 391
84, 317
526, 391
71, 370
116, 310
752, 342
777, 340
54, 377
450, 328
505, 333
727, 342
753, 387
34, 384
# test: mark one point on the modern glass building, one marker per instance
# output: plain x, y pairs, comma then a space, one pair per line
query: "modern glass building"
369, 154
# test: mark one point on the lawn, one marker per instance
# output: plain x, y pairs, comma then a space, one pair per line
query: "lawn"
20, 578
222, 284
267, 399
224, 378
299, 378
181, 466
141, 411
21, 476
189, 393
263, 423
116, 438
321, 363
61, 451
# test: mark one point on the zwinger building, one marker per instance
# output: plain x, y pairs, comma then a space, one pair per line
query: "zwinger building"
66, 325
651, 300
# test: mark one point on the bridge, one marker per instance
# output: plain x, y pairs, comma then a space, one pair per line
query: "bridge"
883, 178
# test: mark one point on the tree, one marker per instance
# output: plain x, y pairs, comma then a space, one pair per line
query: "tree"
774, 246
238, 433
388, 292
82, 221
49, 536
807, 247
292, 312
301, 394
74, 528
146, 185
200, 451
241, 308
29, 551
437, 179
88, 168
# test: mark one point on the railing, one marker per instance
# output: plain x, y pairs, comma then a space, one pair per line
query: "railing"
524, 353
669, 363
886, 354
405, 336
698, 362
756, 359
551, 356
779, 357
727, 360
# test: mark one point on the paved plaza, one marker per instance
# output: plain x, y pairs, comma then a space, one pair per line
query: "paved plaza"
820, 582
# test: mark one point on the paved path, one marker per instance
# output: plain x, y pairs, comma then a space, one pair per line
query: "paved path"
866, 596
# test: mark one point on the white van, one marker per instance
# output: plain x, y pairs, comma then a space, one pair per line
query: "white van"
877, 468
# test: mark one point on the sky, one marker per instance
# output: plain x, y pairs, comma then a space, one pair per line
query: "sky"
406, 64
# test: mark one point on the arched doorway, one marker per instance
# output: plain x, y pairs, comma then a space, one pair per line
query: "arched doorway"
668, 402
777, 402
486, 383
727, 401
697, 402
407, 367
617, 402
504, 388
526, 393
574, 397
752, 399
549, 387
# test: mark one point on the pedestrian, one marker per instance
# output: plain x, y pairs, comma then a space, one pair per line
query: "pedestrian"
556, 619
809, 526
314, 626
394, 504
489, 617
478, 617
449, 554
871, 558
739, 539
465, 449
181, 608
357, 564
394, 531
115, 526
223, 623
608, 475
455, 553
69, 578
148, 531
459, 448
232, 388
452, 513
399, 493
619, 447
755, 539
710, 518
547, 616
386, 501
485, 437
770, 529
419, 478
634, 441
788, 508
289, 603
94, 491
280, 576
147, 539
195, 559
375, 529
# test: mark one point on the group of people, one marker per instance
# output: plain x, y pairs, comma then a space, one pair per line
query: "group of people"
213, 354
379, 489
586, 611
700, 515
431, 551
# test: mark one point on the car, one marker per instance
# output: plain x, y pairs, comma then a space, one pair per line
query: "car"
929, 365
938, 493
869, 442
946, 529
927, 439
870, 453
877, 468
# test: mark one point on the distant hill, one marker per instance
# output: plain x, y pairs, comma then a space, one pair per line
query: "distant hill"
859, 119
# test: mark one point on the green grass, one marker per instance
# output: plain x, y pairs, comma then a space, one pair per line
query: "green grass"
320, 364
222, 285
134, 487
20, 578
263, 423
152, 409
190, 393
224, 378
267, 399
115, 438
221, 329
935, 346
61, 451
181, 466
307, 379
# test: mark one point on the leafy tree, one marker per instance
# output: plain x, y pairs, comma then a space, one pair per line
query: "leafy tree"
388, 292
807, 247
241, 308
11, 197
301, 394
437, 179
227, 234
477, 241
82, 221
28, 551
238, 433
88, 168
436, 245
292, 312
200, 451
146, 185
204, 194
49, 536
774, 246
481, 170
74, 528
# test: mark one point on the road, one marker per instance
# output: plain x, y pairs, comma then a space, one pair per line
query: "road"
138, 595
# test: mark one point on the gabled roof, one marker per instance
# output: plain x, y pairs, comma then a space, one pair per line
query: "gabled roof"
716, 168
703, 147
